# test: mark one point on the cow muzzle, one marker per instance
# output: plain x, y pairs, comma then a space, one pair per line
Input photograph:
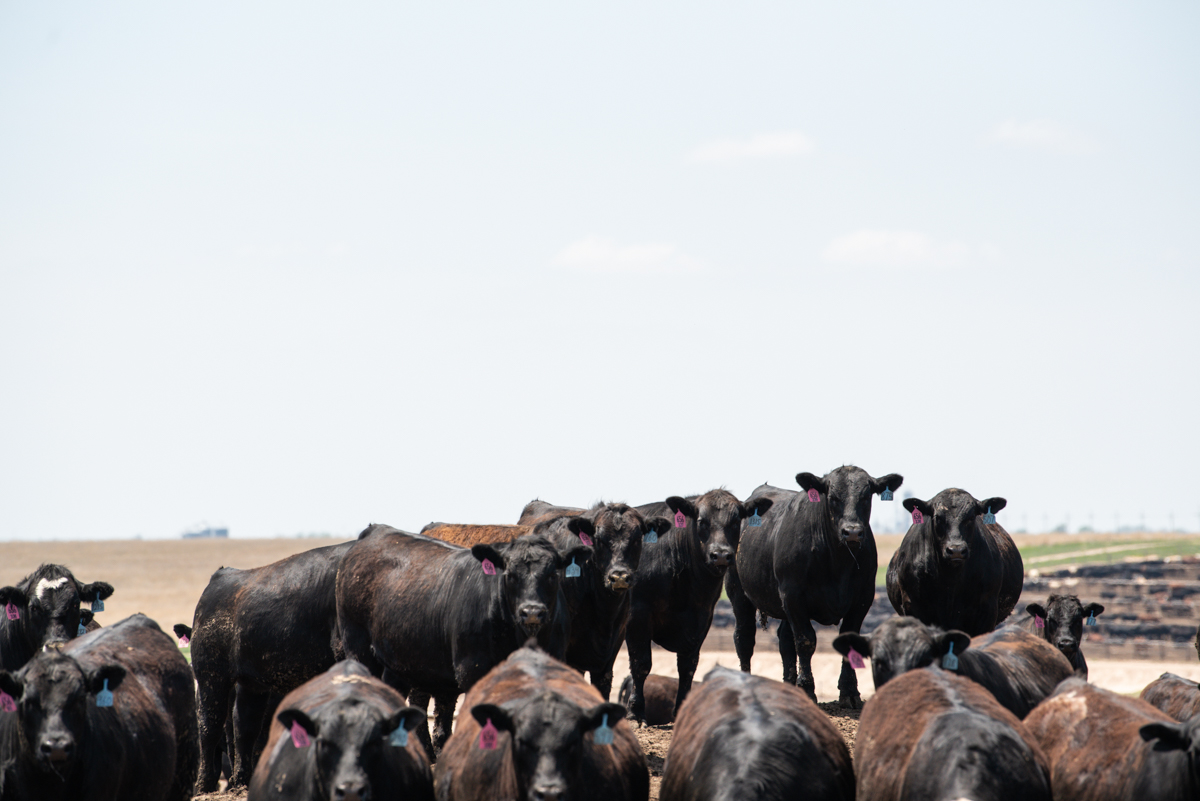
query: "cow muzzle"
618, 580
956, 554
352, 791
548, 792
852, 536
720, 559
54, 645
56, 750
532, 617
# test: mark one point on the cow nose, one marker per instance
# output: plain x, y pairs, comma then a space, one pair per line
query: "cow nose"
956, 552
720, 558
55, 645
549, 792
57, 749
853, 532
532, 615
619, 579
352, 791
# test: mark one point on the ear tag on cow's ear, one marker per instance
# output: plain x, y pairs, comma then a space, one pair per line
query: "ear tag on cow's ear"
886, 495
585, 539
855, 659
989, 519
755, 520
918, 517
98, 604
399, 737
487, 736
1091, 621
651, 537
950, 661
104, 697
7, 703
184, 642
603, 735
1038, 623
814, 496
489, 569
573, 570
299, 735
82, 630
680, 520
11, 610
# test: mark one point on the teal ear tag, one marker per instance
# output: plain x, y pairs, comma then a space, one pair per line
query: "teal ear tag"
950, 661
104, 697
399, 737
989, 518
1091, 621
573, 570
98, 604
755, 520
82, 630
651, 537
886, 495
604, 733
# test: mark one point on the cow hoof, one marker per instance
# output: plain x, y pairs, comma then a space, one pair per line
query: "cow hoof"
851, 701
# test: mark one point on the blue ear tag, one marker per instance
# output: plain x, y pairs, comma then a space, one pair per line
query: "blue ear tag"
104, 697
604, 733
98, 604
399, 737
950, 661
989, 518
573, 570
755, 520
82, 630
651, 536
1091, 621
886, 495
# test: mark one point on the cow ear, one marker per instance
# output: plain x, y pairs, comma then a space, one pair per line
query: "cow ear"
581, 524
292, 715
1036, 609
808, 481
88, 592
14, 596
499, 718
995, 504
113, 674
11, 684
410, 717
86, 617
485, 551
917, 503
1092, 609
891, 481
1170, 736
762, 505
960, 639
851, 639
659, 525
579, 552
678, 504
594, 717
182, 630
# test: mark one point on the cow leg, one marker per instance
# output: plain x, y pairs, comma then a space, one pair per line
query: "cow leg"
787, 651
213, 710
250, 709
420, 699
637, 644
686, 661
806, 644
848, 696
443, 708
743, 612
602, 681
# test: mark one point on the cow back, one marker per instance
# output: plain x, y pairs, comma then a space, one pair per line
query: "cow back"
1017, 667
468, 535
1174, 695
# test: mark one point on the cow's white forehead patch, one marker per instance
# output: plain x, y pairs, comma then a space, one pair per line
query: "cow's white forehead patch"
48, 584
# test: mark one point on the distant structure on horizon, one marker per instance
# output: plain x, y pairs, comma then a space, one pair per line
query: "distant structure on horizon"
207, 533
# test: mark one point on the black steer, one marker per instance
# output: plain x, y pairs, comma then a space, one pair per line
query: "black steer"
812, 558
1062, 620
43, 609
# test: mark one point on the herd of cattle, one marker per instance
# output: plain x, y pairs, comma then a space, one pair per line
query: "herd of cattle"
310, 677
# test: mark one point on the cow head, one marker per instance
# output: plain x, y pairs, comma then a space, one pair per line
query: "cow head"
715, 520
349, 740
901, 644
950, 518
847, 493
54, 693
1183, 736
1063, 617
547, 742
617, 552
529, 569
48, 603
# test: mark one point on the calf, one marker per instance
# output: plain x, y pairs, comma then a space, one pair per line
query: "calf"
741, 736
933, 735
812, 558
537, 731
1104, 745
1018, 668
343, 735
65, 741
952, 569
1061, 625
678, 583
433, 617
257, 635
659, 694
43, 609
1175, 695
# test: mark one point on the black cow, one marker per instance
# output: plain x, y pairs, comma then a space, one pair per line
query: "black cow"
659, 693
1018, 668
43, 609
62, 743
740, 736
933, 735
678, 583
1103, 745
1175, 695
1062, 621
598, 600
952, 569
433, 617
353, 743
258, 634
812, 558
549, 737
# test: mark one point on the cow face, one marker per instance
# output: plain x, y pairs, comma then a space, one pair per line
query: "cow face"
54, 694
950, 518
548, 741
349, 743
901, 644
847, 493
617, 549
529, 568
715, 520
48, 602
1063, 617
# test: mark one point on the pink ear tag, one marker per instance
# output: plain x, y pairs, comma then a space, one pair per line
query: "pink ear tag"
7, 703
918, 517
855, 659
680, 520
184, 641
488, 568
1038, 623
11, 610
814, 496
299, 735
487, 736
585, 539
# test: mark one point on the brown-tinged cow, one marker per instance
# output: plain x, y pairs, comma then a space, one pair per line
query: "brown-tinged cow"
1175, 695
1060, 622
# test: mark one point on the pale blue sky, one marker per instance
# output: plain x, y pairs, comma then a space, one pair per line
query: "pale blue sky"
298, 267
